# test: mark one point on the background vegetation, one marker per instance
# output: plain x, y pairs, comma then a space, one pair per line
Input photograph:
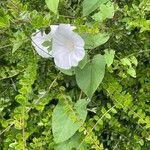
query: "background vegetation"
31, 87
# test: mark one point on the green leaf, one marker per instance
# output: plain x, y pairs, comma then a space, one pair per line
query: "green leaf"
126, 62
52, 5
20, 38
109, 56
91, 5
4, 22
47, 43
16, 46
106, 11
95, 40
90, 77
84, 61
134, 60
63, 126
131, 72
73, 142
68, 72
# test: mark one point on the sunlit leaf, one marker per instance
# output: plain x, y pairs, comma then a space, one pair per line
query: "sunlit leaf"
52, 5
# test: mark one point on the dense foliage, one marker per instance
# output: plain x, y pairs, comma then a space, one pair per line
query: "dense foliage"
104, 103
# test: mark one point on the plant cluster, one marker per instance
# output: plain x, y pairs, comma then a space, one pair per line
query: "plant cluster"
102, 103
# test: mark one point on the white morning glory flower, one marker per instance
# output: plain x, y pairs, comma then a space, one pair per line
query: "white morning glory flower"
67, 47
38, 40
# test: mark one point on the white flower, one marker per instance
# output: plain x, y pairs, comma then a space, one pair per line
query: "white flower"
38, 39
67, 46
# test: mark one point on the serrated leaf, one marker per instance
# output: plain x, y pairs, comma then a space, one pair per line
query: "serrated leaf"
90, 77
91, 5
52, 5
109, 57
63, 126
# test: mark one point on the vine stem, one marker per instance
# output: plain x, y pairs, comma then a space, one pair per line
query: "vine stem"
23, 130
79, 121
141, 51
47, 90
6, 129
96, 125
80, 96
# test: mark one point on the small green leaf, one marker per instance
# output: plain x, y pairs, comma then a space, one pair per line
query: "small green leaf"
106, 11
90, 77
126, 62
108, 116
134, 60
109, 57
16, 46
46, 43
131, 72
20, 38
4, 22
63, 126
52, 5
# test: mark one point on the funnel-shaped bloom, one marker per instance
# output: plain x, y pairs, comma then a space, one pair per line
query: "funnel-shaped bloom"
67, 46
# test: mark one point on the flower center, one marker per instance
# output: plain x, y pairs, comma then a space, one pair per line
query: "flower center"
70, 45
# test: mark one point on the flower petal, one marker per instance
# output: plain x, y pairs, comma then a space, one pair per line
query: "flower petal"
67, 47
53, 29
79, 53
38, 40
62, 61
79, 42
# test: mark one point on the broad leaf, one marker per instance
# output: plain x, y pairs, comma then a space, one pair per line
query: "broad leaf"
70, 144
91, 5
90, 77
52, 5
109, 57
63, 125
68, 72
95, 40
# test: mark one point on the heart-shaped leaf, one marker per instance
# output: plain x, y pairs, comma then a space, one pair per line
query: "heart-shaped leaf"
63, 125
90, 77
